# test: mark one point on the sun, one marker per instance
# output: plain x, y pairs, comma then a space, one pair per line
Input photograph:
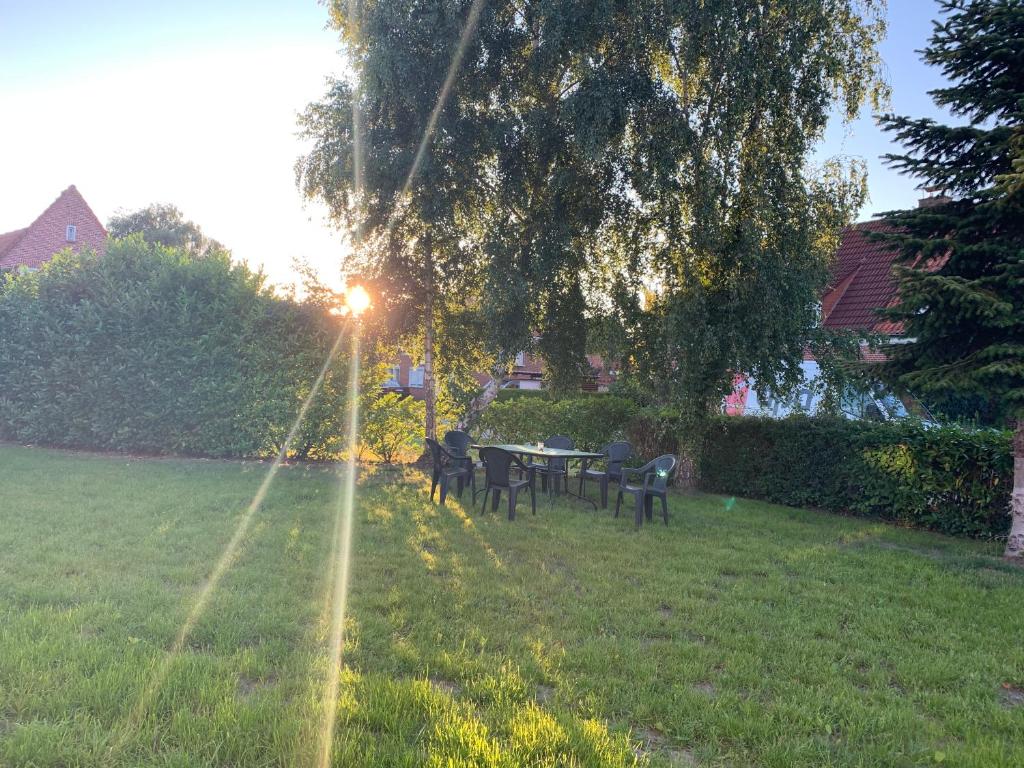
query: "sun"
357, 300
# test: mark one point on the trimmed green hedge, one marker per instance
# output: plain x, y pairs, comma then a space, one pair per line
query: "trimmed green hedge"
505, 395
944, 479
147, 349
591, 421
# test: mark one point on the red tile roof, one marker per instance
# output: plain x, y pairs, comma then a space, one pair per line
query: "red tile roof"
861, 282
36, 243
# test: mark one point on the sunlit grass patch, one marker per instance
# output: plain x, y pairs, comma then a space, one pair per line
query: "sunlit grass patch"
749, 635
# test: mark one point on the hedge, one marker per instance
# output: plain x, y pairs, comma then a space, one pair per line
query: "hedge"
591, 421
944, 479
146, 349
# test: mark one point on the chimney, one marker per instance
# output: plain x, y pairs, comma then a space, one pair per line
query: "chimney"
934, 196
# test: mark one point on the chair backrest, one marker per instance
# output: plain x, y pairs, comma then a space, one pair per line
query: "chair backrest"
662, 468
559, 441
458, 442
437, 452
497, 465
617, 453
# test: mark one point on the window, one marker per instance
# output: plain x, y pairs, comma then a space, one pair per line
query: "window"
71, 233
806, 399
521, 360
392, 380
416, 376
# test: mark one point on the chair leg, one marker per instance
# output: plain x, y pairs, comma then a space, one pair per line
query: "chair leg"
580, 491
618, 502
664, 509
495, 499
434, 476
639, 510
533, 499
483, 507
444, 488
648, 507
604, 493
512, 494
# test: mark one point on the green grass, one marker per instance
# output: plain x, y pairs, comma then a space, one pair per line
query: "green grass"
741, 635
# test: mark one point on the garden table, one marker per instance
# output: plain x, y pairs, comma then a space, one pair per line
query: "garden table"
569, 454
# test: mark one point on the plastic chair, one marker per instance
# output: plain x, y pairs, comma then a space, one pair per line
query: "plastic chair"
615, 455
498, 466
458, 443
554, 471
655, 475
447, 466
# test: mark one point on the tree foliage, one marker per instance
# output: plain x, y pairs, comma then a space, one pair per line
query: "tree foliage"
719, 265
164, 224
961, 286
401, 179
634, 160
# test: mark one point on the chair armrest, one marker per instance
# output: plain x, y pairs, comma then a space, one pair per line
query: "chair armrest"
519, 464
627, 471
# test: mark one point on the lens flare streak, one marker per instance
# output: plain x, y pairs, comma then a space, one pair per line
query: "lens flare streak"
227, 557
340, 568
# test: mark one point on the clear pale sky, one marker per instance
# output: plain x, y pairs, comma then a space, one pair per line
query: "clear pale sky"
194, 103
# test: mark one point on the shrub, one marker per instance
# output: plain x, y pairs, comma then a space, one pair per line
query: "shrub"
147, 349
515, 394
944, 479
392, 424
591, 421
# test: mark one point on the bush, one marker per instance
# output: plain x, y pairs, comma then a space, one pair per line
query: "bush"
392, 424
591, 421
944, 479
509, 393
147, 349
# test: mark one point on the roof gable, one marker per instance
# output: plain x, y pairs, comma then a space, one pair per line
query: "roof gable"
38, 242
861, 282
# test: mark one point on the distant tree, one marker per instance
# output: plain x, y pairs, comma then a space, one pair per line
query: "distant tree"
961, 288
164, 224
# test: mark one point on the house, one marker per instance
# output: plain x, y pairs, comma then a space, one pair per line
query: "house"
404, 377
861, 282
527, 373
67, 223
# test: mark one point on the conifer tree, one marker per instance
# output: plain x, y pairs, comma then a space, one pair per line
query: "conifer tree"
961, 283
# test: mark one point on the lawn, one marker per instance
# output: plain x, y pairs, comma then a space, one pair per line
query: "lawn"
744, 634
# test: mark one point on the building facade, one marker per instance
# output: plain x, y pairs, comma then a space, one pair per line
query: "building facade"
68, 222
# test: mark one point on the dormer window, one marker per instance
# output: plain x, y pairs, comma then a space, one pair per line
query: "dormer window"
72, 233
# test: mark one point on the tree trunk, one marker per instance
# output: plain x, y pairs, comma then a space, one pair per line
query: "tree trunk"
429, 390
1015, 543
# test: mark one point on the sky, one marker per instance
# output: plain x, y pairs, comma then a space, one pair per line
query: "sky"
194, 103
